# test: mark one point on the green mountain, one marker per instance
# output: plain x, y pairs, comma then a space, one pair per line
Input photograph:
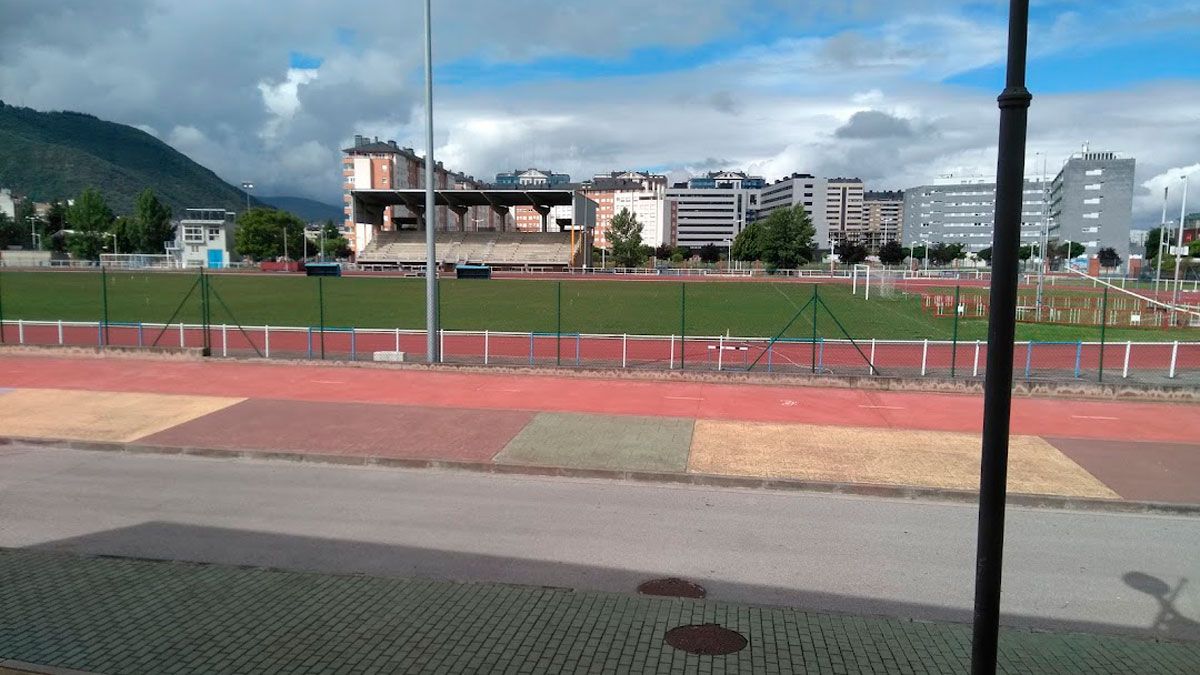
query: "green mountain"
309, 210
55, 155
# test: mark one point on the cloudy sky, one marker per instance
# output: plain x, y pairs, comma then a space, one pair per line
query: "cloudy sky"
894, 92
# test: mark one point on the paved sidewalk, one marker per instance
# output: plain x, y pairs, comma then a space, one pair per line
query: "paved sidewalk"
1094, 450
127, 616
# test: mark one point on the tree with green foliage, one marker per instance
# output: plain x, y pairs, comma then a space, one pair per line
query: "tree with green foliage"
11, 232
152, 220
625, 234
664, 251
944, 254
1059, 251
1025, 252
851, 253
128, 236
892, 253
1108, 257
710, 253
788, 238
25, 217
261, 233
985, 255
89, 218
334, 245
917, 253
747, 245
684, 252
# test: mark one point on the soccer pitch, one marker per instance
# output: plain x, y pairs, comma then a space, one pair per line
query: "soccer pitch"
739, 309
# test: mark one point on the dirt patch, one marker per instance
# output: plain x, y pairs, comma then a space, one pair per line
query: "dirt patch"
707, 639
672, 587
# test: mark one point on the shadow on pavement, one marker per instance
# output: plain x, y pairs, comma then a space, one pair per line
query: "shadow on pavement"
202, 544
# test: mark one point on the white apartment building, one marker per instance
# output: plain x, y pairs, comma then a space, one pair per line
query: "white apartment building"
835, 205
962, 209
712, 209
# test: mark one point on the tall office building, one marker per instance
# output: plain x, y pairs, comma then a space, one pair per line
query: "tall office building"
642, 194
1091, 201
884, 218
712, 209
371, 164
962, 210
835, 205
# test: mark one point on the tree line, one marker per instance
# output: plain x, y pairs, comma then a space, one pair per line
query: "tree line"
86, 226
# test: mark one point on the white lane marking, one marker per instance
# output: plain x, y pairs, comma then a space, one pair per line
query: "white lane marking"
882, 407
329, 382
1094, 417
684, 398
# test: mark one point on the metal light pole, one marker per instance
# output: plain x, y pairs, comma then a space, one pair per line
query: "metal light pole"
1162, 237
432, 348
997, 402
1179, 242
285, 253
247, 187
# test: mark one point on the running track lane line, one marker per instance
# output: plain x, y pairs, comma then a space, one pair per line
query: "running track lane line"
741, 402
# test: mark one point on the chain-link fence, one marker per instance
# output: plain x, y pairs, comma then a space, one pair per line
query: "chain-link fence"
787, 326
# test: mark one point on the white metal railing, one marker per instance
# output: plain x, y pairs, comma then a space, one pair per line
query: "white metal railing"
1164, 360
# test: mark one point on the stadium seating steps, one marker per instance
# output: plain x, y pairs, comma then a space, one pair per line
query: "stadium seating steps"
488, 248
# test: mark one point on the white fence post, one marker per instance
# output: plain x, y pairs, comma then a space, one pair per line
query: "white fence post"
975, 367
868, 283
924, 356
60, 332
181, 339
267, 341
1174, 359
624, 349
20, 331
224, 340
671, 364
721, 350
486, 340
441, 346
397, 339
872, 359
1128, 348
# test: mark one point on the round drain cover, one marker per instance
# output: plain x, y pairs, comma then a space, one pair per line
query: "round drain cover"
708, 639
671, 588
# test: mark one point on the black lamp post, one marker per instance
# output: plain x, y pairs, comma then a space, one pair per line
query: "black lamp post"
997, 402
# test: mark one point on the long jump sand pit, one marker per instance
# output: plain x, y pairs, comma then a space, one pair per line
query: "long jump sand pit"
99, 416
881, 456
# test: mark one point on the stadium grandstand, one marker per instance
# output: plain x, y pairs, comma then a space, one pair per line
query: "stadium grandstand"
565, 239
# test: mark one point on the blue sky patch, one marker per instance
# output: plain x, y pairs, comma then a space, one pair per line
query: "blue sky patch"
302, 61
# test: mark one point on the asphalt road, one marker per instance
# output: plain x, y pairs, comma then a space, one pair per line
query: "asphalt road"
1063, 570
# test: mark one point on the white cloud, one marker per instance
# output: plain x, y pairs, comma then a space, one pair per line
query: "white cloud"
282, 99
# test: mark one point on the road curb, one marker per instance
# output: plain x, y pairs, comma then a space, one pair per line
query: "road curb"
909, 492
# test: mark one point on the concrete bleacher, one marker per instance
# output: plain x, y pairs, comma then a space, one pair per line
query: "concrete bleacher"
497, 249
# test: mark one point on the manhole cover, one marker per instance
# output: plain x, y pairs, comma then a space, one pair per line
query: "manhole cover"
671, 588
708, 639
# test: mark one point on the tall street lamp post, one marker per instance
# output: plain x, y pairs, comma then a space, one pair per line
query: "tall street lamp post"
247, 187
997, 402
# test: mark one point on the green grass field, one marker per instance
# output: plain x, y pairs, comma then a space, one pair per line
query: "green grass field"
646, 307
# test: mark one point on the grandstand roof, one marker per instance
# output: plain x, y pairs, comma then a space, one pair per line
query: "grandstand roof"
415, 198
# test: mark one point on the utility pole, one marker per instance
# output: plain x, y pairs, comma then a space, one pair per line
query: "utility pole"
997, 403
432, 347
1179, 246
1163, 237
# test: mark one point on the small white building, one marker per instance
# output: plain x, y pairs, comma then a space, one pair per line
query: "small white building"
204, 238
8, 205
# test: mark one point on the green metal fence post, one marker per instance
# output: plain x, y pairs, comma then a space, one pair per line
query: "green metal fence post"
205, 315
1103, 325
815, 300
321, 309
682, 322
104, 301
558, 326
954, 338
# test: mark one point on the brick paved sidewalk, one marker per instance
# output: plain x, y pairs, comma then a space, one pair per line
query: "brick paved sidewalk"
127, 616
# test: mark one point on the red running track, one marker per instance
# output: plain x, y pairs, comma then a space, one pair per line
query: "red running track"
1109, 420
1045, 360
